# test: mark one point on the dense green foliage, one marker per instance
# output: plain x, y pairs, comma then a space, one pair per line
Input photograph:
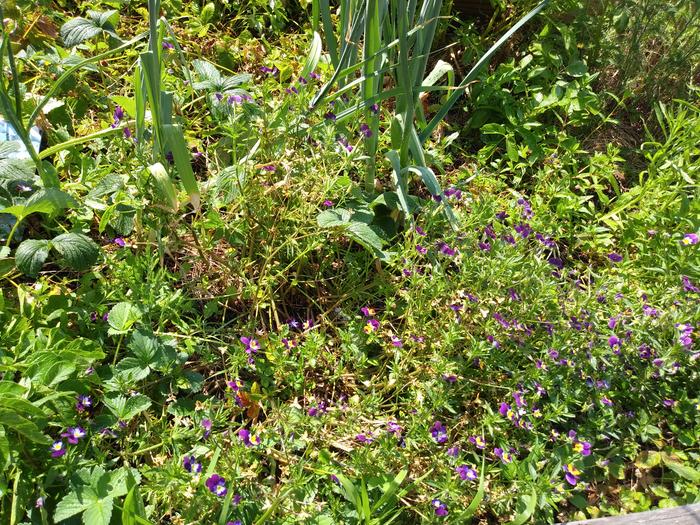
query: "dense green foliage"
237, 286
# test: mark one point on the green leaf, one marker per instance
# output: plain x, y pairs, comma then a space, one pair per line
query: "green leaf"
80, 29
333, 218
132, 369
99, 513
684, 471
47, 201
530, 503
127, 408
313, 57
78, 251
70, 505
31, 255
175, 141
122, 316
21, 425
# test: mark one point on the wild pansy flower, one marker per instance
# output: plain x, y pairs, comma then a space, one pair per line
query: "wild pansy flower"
39, 503
445, 249
523, 229
269, 167
118, 115
394, 428
527, 210
439, 432
168, 46
365, 438
615, 343
74, 434
650, 311
328, 203
688, 285
235, 385
303, 81
374, 108
615, 257
364, 129
466, 472
439, 507
571, 473
329, 115
292, 89
450, 378
478, 441
58, 448
420, 249
556, 262
396, 342
190, 464
606, 401
217, 485
670, 403
368, 311
420, 231
206, 425
83, 403
269, 70
289, 343
453, 452
251, 345
119, 242
503, 455
690, 239
237, 522
307, 325
519, 401
484, 246
583, 447
371, 326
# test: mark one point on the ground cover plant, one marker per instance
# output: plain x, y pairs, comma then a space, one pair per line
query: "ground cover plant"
305, 262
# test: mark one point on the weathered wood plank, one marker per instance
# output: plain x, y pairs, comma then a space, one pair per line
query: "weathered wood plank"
685, 515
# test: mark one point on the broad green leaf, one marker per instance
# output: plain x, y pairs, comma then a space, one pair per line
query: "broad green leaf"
684, 471
70, 505
125, 408
331, 218
21, 425
80, 29
122, 317
31, 255
133, 369
99, 513
78, 250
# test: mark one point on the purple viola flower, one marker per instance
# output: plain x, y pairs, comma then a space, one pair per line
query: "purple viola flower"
74, 434
508, 238
519, 401
217, 485
615, 257
190, 464
39, 503
374, 108
118, 115
394, 428
453, 452
523, 229
364, 129
396, 342
237, 522
365, 438
571, 473
484, 246
583, 447
445, 249
556, 262
503, 455
650, 311
368, 311
330, 116
606, 401
371, 326
167, 46
669, 403
251, 345
206, 425
269, 167
615, 343
478, 441
292, 89
527, 210
688, 285
420, 249
450, 378
83, 403
303, 81
328, 203
119, 242
439, 507
502, 215
439, 432
127, 133
235, 99
58, 449
466, 472
690, 239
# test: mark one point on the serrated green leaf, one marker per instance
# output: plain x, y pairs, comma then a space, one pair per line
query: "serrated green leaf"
78, 251
31, 255
122, 317
99, 513
80, 29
